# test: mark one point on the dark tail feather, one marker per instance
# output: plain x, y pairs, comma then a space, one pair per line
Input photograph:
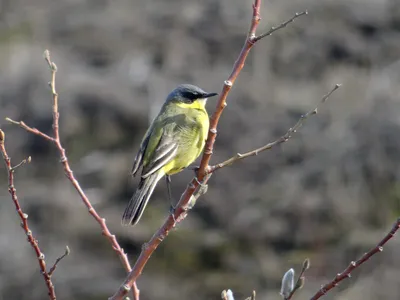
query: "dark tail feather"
139, 200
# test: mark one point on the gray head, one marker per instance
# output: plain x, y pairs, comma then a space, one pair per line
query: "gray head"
188, 93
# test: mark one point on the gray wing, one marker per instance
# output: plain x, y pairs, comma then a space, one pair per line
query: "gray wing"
139, 156
164, 153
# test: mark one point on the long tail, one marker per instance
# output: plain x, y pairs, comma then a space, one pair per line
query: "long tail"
139, 200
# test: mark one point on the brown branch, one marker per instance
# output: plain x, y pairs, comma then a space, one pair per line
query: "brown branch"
355, 264
31, 130
66, 253
68, 172
284, 138
24, 219
182, 207
284, 24
300, 280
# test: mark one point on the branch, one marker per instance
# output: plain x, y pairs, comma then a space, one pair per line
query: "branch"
284, 24
182, 207
300, 280
355, 264
66, 253
24, 218
284, 138
68, 172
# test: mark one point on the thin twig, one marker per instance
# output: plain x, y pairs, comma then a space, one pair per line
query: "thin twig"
355, 264
23, 162
24, 220
284, 24
53, 268
182, 207
300, 280
68, 172
284, 138
31, 130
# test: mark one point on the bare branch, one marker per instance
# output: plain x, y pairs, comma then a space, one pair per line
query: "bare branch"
31, 130
300, 280
355, 264
53, 268
24, 219
68, 172
181, 210
25, 161
284, 138
284, 24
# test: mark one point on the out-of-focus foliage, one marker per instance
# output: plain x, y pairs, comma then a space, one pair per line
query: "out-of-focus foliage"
328, 194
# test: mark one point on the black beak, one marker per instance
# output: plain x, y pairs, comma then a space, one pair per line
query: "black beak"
208, 95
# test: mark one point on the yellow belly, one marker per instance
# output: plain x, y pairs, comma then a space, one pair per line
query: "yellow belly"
188, 152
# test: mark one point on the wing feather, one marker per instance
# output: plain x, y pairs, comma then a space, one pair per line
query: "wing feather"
139, 156
163, 154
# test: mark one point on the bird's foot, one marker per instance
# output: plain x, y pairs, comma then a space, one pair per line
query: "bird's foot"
172, 212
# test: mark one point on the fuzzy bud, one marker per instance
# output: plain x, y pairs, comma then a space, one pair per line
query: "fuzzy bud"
287, 283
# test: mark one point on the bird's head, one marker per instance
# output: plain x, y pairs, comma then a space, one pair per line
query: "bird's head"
189, 95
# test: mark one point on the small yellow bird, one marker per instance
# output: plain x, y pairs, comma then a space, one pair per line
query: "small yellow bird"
174, 140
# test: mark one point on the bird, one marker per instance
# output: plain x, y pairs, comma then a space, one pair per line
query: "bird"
174, 140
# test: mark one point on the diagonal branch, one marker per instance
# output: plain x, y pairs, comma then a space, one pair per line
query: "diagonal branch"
284, 138
355, 264
66, 253
182, 207
24, 219
68, 171
283, 25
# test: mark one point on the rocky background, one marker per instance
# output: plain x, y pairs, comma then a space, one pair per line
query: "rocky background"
329, 194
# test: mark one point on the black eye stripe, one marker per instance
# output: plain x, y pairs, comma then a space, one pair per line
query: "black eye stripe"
190, 95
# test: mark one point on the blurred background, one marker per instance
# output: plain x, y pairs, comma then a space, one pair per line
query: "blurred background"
328, 194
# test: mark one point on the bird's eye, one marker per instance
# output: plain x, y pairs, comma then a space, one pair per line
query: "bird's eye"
189, 97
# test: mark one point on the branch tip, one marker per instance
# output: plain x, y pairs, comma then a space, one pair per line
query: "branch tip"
12, 121
276, 28
25, 161
306, 264
53, 268
46, 56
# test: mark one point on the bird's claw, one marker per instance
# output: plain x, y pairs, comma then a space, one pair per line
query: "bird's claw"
172, 212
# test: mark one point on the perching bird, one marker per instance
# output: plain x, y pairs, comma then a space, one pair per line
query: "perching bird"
175, 138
